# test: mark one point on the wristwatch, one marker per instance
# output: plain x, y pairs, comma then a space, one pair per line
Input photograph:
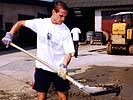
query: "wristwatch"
63, 66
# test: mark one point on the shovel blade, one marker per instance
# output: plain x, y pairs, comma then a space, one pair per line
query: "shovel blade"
95, 91
92, 90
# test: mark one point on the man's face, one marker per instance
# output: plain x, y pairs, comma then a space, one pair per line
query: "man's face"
59, 17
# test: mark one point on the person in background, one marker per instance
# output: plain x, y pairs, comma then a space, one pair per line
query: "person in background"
54, 46
75, 36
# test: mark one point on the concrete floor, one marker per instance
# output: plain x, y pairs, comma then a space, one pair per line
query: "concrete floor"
16, 69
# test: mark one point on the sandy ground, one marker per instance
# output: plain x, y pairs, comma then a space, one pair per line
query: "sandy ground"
16, 74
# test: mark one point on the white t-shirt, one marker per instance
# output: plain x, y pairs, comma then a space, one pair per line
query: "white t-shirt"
75, 32
53, 41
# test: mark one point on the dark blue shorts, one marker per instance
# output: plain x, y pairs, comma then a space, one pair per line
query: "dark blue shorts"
44, 78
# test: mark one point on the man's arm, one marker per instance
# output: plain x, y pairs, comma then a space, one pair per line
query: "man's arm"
62, 71
17, 26
67, 59
79, 31
9, 35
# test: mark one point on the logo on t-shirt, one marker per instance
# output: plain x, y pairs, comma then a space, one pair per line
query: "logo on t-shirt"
49, 36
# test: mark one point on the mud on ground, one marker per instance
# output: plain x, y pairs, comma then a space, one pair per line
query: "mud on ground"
95, 75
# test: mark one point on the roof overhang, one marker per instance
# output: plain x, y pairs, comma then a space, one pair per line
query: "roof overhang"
29, 2
122, 13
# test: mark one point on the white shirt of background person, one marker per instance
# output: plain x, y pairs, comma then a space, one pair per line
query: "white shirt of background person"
75, 32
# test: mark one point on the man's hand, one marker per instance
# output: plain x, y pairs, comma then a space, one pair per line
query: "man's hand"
62, 71
7, 39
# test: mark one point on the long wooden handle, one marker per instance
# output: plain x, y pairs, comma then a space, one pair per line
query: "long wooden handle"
85, 88
45, 63
31, 55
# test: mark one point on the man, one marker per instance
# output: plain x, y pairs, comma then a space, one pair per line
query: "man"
54, 45
75, 35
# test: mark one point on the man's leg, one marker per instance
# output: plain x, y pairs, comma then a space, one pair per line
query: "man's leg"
62, 95
41, 96
41, 83
76, 49
75, 53
61, 86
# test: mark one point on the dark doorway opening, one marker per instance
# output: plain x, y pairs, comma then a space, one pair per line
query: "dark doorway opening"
84, 18
26, 37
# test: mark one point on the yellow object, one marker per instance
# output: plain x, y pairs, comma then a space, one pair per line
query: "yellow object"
119, 28
129, 33
121, 38
118, 39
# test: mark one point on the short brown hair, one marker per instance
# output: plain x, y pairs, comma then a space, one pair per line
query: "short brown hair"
60, 5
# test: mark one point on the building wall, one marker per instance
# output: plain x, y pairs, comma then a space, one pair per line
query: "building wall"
10, 12
98, 20
103, 19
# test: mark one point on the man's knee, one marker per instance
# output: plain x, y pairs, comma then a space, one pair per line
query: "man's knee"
41, 96
62, 95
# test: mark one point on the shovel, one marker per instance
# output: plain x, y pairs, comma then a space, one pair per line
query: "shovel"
95, 90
